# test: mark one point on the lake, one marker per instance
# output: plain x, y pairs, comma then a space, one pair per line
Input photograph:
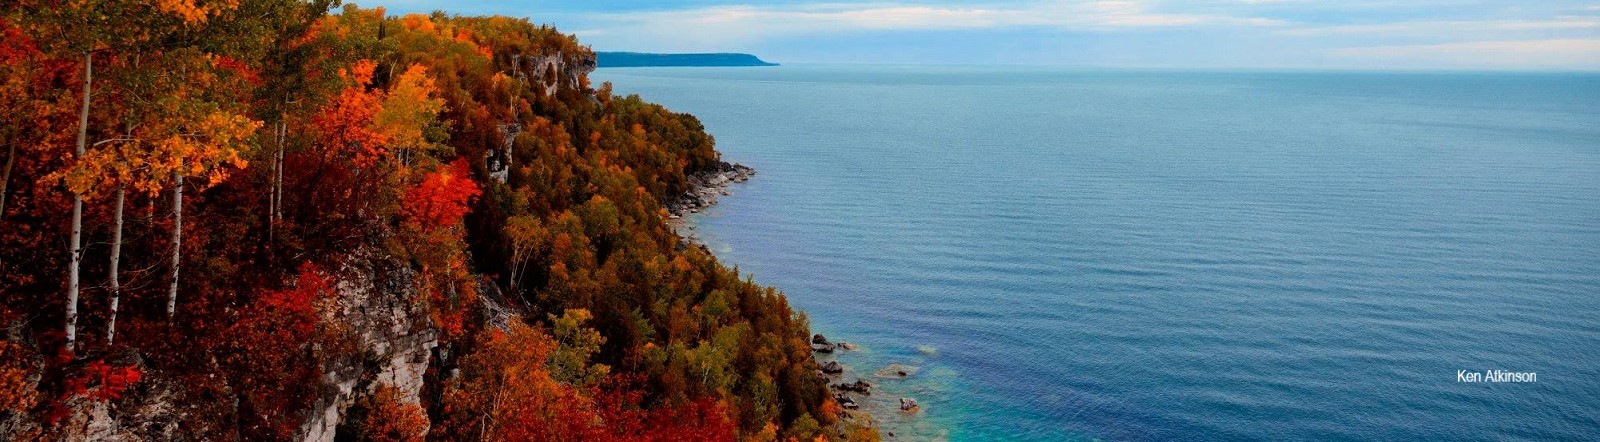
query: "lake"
1080, 254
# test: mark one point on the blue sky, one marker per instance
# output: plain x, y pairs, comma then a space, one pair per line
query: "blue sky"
1331, 34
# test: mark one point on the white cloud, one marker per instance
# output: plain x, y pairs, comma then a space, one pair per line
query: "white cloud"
719, 25
1436, 28
1521, 54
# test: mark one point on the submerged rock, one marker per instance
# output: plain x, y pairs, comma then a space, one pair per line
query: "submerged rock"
897, 371
908, 404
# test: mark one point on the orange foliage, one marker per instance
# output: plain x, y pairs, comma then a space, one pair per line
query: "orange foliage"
389, 419
507, 393
347, 124
17, 392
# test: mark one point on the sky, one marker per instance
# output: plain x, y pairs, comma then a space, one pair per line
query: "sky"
1559, 35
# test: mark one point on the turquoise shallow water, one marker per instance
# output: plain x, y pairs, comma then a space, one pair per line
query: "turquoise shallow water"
1147, 255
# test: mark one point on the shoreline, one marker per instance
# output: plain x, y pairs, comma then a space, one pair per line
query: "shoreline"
705, 188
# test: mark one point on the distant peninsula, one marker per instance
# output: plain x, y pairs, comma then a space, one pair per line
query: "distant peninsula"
640, 59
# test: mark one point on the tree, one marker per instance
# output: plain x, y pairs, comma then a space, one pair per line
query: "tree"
203, 141
347, 123
80, 29
577, 344
408, 113
524, 235
440, 200
506, 392
390, 419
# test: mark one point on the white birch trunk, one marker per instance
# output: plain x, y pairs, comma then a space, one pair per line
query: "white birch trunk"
116, 261
77, 208
177, 241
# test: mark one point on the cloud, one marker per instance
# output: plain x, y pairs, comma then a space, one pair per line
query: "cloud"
1520, 54
747, 23
1436, 28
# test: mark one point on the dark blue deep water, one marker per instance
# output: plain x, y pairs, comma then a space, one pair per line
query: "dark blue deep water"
1146, 255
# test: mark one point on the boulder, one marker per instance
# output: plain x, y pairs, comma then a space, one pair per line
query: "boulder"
859, 386
846, 402
832, 367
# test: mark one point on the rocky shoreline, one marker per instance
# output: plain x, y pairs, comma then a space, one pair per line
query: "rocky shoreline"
704, 189
853, 397
706, 186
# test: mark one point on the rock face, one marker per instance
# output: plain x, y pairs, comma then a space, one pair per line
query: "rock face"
704, 187
554, 71
498, 161
375, 302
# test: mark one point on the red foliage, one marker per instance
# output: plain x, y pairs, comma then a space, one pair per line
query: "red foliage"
103, 382
506, 393
14, 44
704, 419
241, 69
441, 199
271, 353
98, 381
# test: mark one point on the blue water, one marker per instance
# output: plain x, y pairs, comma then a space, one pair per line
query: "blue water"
1146, 255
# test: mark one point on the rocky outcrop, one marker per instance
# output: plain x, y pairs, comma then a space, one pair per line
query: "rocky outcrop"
553, 71
396, 341
705, 187
498, 161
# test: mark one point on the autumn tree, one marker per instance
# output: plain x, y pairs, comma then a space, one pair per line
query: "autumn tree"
387, 417
506, 392
524, 235
274, 351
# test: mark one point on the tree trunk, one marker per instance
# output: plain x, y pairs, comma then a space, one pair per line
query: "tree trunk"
272, 188
77, 208
177, 241
283, 133
5, 181
116, 260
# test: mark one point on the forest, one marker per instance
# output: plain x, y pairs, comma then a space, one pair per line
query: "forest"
300, 220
